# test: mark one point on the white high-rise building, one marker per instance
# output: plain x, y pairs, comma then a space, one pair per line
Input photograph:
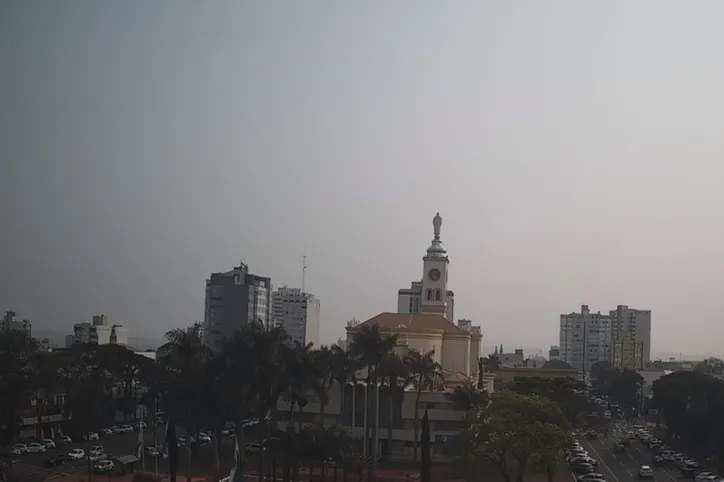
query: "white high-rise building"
587, 338
431, 294
298, 312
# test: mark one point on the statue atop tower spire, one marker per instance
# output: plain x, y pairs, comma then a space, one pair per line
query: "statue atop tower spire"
436, 223
436, 249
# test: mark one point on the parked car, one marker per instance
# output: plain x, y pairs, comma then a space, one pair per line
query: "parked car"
55, 460
65, 440
49, 444
108, 431
88, 436
204, 438
103, 466
127, 428
35, 448
22, 448
76, 454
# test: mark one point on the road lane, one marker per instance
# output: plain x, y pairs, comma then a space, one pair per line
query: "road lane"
624, 467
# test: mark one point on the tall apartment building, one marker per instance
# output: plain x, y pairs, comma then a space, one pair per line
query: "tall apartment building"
10, 322
298, 312
622, 337
233, 299
631, 332
585, 338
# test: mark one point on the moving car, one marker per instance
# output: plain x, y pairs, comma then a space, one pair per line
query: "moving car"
592, 477
702, 476
618, 448
55, 460
646, 472
76, 454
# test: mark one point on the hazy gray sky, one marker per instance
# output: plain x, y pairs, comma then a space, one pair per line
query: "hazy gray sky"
574, 150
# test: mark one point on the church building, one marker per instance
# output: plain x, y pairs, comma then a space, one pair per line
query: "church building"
424, 319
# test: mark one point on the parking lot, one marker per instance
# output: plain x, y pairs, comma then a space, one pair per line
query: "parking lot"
30, 466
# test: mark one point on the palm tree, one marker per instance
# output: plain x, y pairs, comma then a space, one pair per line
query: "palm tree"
298, 378
322, 364
490, 364
183, 357
344, 368
371, 347
423, 370
397, 375
466, 398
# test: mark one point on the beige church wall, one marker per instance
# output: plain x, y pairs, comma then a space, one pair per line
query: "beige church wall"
456, 354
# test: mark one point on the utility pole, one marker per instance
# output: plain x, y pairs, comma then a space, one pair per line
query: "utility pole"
304, 270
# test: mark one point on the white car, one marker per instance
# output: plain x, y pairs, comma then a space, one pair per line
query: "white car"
21, 448
702, 476
127, 428
35, 448
646, 472
594, 477
76, 454
64, 439
90, 436
204, 438
107, 431
103, 466
49, 444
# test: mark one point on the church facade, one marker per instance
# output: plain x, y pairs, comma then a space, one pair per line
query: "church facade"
424, 320
431, 293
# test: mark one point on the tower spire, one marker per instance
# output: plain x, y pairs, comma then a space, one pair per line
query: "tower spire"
436, 249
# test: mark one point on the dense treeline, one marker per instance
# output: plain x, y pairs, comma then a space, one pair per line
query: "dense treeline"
195, 387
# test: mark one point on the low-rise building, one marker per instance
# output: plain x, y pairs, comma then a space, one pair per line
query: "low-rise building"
511, 374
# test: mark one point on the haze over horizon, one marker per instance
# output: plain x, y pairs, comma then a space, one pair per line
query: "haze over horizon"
571, 148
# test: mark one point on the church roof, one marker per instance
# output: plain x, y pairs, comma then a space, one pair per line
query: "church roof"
413, 322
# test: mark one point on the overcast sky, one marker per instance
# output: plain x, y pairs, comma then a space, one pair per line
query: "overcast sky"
574, 150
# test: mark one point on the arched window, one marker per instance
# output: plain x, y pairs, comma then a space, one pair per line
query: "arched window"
438, 295
429, 295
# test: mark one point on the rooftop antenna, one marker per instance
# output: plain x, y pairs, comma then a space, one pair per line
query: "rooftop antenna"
304, 270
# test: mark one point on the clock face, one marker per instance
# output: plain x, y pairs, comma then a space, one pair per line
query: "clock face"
434, 274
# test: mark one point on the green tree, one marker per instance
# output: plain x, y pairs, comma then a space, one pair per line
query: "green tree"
710, 366
371, 348
518, 430
490, 364
423, 371
17, 352
469, 399
344, 370
322, 365
396, 374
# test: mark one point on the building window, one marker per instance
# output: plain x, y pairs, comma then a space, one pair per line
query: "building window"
438, 295
428, 295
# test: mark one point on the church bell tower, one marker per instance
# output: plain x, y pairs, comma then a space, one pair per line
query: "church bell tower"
434, 296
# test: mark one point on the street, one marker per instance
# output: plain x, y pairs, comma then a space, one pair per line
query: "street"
624, 467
